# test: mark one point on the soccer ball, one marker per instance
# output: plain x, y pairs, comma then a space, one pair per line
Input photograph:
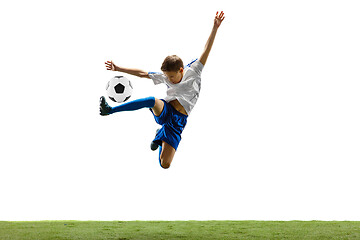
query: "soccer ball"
119, 89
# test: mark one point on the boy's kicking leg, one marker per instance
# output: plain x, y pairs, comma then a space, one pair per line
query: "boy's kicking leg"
158, 107
155, 104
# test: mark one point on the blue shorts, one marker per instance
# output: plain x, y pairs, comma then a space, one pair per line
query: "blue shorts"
173, 123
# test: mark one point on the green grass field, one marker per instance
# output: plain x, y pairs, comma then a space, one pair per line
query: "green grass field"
119, 230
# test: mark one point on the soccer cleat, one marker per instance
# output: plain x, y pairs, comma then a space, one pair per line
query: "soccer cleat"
104, 107
153, 145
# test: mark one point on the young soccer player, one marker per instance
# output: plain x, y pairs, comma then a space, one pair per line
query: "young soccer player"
183, 91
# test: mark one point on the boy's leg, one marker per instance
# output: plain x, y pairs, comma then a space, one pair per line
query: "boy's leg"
167, 153
158, 107
155, 104
148, 102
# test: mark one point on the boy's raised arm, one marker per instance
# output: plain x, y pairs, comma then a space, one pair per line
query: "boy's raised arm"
133, 71
217, 22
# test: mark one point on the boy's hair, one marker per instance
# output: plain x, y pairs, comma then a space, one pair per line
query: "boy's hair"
172, 64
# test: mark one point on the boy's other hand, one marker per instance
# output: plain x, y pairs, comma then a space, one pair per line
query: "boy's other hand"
218, 19
110, 65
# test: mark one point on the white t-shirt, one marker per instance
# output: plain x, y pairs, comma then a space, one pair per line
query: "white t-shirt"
187, 90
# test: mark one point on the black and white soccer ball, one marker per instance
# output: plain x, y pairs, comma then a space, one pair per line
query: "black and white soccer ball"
119, 89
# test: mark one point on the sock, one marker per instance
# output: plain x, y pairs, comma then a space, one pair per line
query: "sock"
160, 149
148, 102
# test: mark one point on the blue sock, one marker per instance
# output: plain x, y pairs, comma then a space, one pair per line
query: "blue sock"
160, 149
148, 102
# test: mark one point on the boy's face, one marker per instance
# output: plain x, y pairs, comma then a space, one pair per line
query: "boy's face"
175, 77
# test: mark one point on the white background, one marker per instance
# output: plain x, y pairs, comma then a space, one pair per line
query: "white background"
275, 134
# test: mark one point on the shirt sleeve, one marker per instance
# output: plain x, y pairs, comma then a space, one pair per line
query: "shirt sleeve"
157, 77
197, 66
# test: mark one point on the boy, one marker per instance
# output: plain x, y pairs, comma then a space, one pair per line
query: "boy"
182, 94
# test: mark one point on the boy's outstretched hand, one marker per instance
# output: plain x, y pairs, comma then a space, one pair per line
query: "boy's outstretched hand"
218, 19
217, 22
110, 65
